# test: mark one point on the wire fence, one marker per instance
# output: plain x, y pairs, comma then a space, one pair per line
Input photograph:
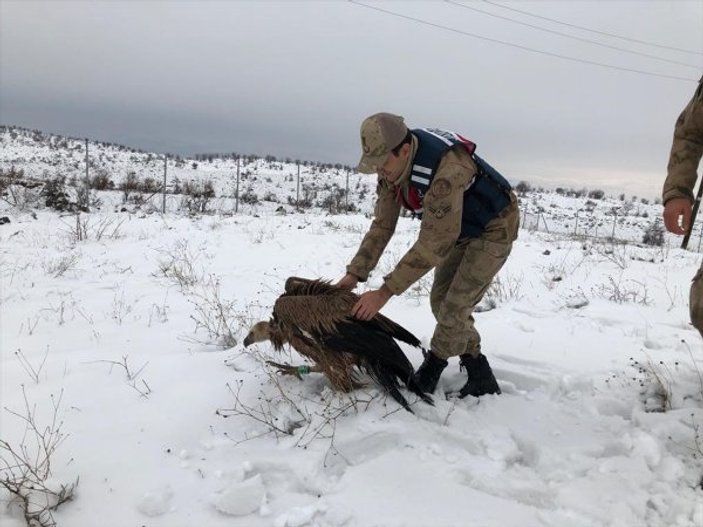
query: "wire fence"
647, 230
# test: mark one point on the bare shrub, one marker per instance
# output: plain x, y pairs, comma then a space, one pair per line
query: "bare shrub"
120, 307
261, 234
150, 186
623, 291
32, 371
214, 314
85, 228
133, 376
271, 197
25, 469
596, 194
60, 266
80, 232
334, 202
18, 191
106, 228
503, 288
9, 178
654, 234
129, 185
179, 265
614, 252
87, 199
249, 197
282, 414
421, 289
56, 195
101, 181
522, 188
198, 196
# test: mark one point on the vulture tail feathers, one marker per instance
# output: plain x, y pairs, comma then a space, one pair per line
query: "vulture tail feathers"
368, 341
389, 381
396, 330
413, 387
382, 357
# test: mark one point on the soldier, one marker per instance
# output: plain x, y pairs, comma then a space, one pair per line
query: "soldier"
469, 220
686, 152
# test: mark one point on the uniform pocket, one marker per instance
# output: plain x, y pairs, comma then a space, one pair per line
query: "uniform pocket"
496, 249
504, 228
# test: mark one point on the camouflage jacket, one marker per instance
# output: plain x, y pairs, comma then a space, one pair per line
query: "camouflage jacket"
439, 228
686, 150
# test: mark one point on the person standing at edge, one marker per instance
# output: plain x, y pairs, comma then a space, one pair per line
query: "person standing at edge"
677, 194
469, 220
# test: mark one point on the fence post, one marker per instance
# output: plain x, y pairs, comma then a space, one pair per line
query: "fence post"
297, 189
544, 220
615, 218
86, 182
576, 224
163, 189
236, 192
346, 195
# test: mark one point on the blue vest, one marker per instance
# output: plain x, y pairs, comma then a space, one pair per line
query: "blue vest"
485, 197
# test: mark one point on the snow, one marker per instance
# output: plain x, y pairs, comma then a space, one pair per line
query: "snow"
242, 498
598, 424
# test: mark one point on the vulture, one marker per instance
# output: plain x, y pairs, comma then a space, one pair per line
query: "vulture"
314, 317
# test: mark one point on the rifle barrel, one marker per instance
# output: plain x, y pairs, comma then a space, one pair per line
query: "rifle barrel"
694, 213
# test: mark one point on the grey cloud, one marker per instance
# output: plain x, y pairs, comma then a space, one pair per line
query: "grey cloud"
296, 78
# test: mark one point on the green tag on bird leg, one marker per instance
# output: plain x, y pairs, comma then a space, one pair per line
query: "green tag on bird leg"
303, 370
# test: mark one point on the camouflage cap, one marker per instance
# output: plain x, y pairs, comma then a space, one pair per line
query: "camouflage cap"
380, 133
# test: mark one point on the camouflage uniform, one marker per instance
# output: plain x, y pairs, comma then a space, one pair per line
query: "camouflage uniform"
463, 268
686, 152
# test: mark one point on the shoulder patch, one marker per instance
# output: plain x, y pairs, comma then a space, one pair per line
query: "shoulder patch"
441, 188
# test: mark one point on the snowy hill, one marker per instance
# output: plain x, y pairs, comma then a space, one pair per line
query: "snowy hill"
266, 184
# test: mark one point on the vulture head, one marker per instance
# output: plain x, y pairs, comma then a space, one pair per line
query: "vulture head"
259, 332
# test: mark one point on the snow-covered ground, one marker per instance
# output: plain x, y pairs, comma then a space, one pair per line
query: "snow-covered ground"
598, 424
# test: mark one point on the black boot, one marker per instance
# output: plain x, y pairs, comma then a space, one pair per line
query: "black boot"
481, 379
427, 375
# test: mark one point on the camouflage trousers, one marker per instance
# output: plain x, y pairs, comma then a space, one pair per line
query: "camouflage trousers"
462, 279
695, 301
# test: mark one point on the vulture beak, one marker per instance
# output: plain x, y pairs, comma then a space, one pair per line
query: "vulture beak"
248, 340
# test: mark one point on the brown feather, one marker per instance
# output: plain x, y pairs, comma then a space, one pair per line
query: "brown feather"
314, 317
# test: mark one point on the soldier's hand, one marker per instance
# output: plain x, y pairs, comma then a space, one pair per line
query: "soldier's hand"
673, 210
371, 303
349, 282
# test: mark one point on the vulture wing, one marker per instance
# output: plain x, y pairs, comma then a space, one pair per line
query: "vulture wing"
396, 330
386, 361
304, 286
366, 339
313, 314
296, 286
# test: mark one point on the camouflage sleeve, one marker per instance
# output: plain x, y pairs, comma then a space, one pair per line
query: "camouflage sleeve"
686, 150
441, 222
382, 228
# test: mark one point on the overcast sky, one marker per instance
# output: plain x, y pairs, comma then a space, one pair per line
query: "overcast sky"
296, 78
